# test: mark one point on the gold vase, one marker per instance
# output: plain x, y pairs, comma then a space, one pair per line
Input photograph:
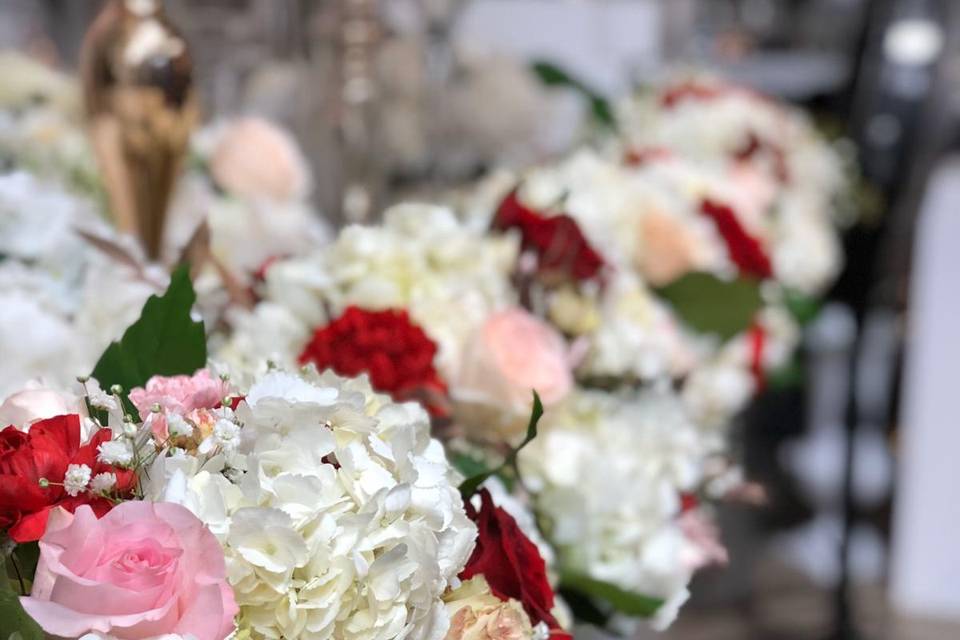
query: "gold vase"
141, 107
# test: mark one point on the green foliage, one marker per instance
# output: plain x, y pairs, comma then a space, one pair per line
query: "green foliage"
14, 621
165, 340
626, 602
710, 305
802, 307
469, 486
554, 76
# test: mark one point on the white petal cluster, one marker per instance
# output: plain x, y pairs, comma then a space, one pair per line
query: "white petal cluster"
76, 479
647, 445
61, 300
337, 511
448, 277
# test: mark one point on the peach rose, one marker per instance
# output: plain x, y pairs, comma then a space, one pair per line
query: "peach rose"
23, 408
667, 249
143, 570
476, 614
513, 354
256, 159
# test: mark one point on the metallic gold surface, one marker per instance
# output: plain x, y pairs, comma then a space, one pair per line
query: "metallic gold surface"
140, 101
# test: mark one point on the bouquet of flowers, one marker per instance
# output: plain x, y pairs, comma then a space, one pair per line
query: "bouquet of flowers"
433, 309
304, 505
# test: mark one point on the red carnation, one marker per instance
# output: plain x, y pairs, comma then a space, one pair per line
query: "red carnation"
562, 250
387, 346
511, 564
45, 452
745, 250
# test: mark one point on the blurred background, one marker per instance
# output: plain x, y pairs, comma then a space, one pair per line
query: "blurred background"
399, 97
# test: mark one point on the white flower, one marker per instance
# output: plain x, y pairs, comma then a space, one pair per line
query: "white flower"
98, 398
716, 391
344, 521
177, 426
116, 452
595, 441
226, 434
76, 479
103, 482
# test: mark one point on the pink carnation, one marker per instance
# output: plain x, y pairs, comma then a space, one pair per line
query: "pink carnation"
143, 570
178, 395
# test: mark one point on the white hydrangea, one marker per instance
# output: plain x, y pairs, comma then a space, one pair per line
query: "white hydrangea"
344, 520
636, 335
645, 443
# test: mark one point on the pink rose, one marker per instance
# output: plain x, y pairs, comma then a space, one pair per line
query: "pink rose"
145, 569
513, 354
178, 395
23, 408
256, 159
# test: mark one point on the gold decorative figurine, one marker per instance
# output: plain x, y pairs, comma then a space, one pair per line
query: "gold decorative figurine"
141, 105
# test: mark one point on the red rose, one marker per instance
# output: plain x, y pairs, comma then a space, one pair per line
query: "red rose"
756, 145
510, 563
691, 90
387, 346
757, 337
640, 156
45, 452
745, 250
704, 91
562, 250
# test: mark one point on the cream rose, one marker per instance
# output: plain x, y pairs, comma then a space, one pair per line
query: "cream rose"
477, 614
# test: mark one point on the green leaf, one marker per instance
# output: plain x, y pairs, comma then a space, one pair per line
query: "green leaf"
467, 464
802, 307
469, 486
626, 602
583, 608
554, 76
14, 621
27, 555
711, 305
789, 376
165, 341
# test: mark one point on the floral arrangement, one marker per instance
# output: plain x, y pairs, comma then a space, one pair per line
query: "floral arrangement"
433, 309
357, 457
304, 505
